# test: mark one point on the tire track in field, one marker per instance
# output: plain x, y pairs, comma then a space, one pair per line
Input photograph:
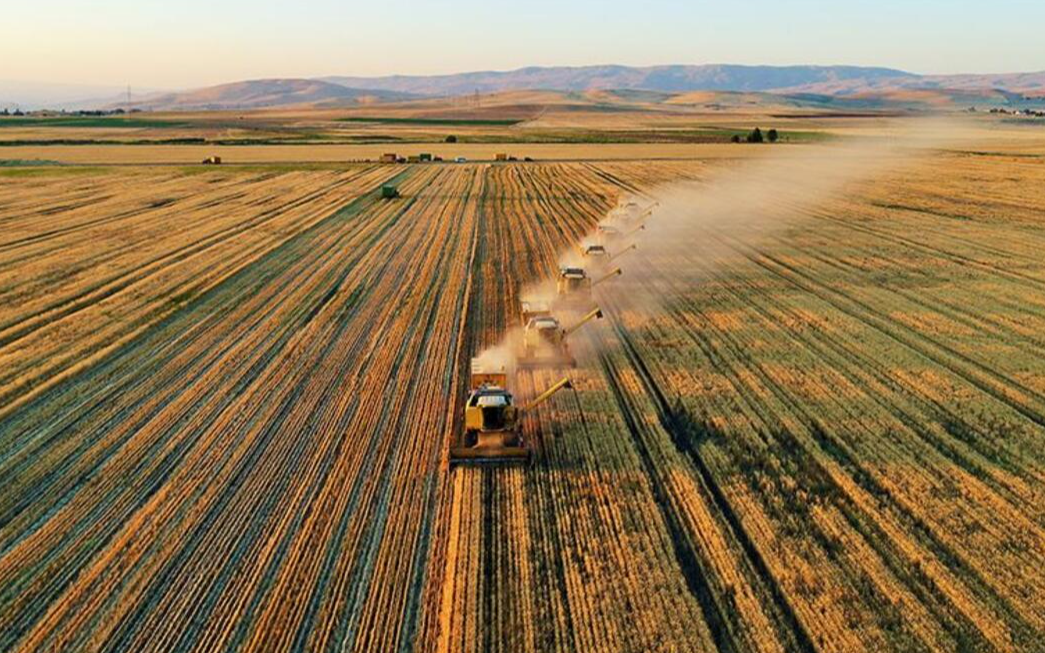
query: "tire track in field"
14, 394
229, 288
160, 187
975, 373
676, 426
1025, 280
830, 446
686, 555
109, 286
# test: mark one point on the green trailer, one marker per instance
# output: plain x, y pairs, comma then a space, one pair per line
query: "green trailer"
389, 191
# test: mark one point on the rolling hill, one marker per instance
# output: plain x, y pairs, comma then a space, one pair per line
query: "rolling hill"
262, 93
654, 78
829, 86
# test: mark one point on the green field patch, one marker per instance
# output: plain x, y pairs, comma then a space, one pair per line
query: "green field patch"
23, 163
90, 121
50, 169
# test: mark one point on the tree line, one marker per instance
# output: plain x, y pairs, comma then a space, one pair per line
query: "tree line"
756, 136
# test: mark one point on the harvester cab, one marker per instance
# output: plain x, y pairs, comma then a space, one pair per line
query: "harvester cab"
607, 232
631, 212
545, 343
594, 251
492, 431
389, 192
573, 284
531, 309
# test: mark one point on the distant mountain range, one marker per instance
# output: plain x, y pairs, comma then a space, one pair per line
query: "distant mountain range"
652, 78
866, 85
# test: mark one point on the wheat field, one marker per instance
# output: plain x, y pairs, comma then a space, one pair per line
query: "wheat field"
226, 397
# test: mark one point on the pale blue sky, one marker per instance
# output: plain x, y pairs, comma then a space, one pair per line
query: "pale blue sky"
184, 43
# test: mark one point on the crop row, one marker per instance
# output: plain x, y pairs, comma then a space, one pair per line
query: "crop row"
225, 402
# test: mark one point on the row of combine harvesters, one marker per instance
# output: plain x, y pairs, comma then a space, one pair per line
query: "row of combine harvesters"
492, 432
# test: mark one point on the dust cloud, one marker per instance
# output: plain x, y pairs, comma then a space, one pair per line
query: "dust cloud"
695, 227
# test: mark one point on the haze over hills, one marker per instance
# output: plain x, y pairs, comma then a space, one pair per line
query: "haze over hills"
856, 85
653, 78
255, 94
1028, 84
37, 95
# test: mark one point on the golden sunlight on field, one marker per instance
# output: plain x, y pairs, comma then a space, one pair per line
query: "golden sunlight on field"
811, 418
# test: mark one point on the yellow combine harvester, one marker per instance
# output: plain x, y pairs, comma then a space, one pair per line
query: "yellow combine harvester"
531, 309
609, 233
594, 251
574, 285
600, 258
544, 342
492, 421
630, 212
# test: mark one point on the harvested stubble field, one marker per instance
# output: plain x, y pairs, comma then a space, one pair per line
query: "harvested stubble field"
225, 400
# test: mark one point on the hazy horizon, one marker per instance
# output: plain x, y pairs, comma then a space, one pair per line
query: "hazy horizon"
194, 44
118, 87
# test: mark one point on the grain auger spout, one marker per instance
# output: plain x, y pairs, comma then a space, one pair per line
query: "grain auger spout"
649, 211
607, 277
596, 313
622, 252
563, 384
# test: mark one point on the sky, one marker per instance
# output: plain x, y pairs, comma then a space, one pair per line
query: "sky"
192, 43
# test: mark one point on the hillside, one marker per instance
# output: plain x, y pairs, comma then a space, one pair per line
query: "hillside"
858, 87
655, 78
261, 93
1030, 83
830, 86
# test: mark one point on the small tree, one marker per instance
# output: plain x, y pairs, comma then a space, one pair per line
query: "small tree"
736, 138
772, 136
451, 139
755, 136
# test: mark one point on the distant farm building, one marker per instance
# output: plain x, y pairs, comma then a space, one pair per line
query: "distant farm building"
389, 157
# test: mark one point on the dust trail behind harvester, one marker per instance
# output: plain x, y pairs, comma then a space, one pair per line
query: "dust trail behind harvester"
699, 227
